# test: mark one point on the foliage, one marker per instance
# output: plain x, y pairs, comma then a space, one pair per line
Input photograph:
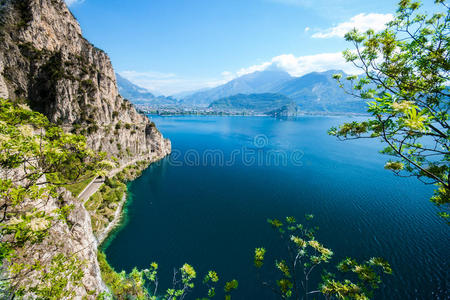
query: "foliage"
24, 9
103, 204
78, 187
58, 280
306, 254
121, 285
406, 75
144, 284
32, 150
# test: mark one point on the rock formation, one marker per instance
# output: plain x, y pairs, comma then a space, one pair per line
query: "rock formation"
46, 62
45, 59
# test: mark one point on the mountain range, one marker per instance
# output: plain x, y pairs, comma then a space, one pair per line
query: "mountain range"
314, 92
254, 83
258, 103
140, 95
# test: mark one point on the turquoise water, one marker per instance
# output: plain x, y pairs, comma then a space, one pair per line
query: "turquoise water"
208, 203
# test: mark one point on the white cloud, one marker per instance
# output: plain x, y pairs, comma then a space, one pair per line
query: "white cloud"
298, 66
72, 2
169, 84
362, 22
307, 29
227, 76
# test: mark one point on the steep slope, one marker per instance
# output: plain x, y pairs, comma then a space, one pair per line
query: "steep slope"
286, 111
319, 92
131, 91
46, 63
45, 59
313, 92
139, 95
257, 82
260, 103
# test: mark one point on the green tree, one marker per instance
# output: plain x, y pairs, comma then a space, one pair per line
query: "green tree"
406, 83
305, 256
32, 150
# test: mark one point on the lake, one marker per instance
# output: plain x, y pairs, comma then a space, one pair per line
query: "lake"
208, 203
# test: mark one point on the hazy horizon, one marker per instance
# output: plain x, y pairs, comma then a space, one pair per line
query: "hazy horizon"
169, 47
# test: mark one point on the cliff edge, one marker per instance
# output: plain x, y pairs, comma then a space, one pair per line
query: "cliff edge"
45, 59
46, 63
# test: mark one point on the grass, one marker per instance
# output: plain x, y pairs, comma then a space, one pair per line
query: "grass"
103, 204
78, 187
75, 188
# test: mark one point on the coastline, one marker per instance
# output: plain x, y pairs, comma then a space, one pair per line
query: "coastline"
300, 115
105, 236
116, 222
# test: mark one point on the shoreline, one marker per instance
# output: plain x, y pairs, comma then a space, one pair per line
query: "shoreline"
106, 236
265, 116
118, 216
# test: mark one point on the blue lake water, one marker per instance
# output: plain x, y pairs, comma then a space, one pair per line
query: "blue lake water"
208, 203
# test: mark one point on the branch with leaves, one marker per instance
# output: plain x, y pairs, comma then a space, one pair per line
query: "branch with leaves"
305, 256
406, 71
32, 152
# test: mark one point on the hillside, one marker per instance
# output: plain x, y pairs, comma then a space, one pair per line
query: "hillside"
258, 103
45, 59
47, 65
254, 83
319, 92
132, 92
313, 92
139, 95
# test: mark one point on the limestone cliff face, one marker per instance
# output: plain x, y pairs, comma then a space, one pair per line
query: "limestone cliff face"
45, 59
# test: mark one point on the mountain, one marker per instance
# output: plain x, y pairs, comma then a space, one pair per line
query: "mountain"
140, 95
45, 59
257, 82
286, 111
319, 92
46, 65
313, 92
259, 103
131, 91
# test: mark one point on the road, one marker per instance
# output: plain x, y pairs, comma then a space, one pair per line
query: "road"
96, 183
91, 188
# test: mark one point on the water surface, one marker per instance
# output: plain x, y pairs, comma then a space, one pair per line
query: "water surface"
196, 208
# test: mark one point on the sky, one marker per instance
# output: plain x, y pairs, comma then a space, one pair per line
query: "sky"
171, 46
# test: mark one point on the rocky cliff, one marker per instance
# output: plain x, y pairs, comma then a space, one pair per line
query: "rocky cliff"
45, 59
46, 62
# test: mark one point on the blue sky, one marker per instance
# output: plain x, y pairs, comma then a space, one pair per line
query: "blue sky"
178, 45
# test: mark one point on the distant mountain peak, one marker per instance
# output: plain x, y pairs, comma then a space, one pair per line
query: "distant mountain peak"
314, 92
254, 83
140, 95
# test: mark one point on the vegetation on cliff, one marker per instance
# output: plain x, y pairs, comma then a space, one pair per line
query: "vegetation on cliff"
143, 284
103, 205
32, 150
